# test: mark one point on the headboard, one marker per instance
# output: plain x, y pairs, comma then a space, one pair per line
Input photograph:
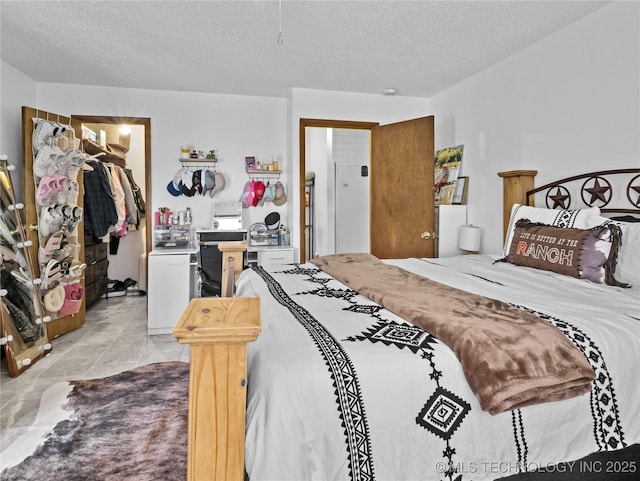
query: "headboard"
613, 191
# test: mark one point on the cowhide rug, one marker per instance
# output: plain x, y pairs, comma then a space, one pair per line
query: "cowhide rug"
130, 426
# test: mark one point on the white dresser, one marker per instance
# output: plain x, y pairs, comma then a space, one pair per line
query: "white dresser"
261, 255
168, 289
448, 220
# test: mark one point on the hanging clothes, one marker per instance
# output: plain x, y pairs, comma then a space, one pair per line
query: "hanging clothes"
129, 201
137, 195
100, 215
118, 198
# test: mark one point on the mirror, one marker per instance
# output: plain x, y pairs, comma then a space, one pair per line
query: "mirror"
23, 325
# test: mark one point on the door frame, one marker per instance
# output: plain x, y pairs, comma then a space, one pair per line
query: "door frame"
146, 122
327, 124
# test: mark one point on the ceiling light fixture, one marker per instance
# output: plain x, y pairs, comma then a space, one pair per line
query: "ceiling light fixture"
390, 91
280, 34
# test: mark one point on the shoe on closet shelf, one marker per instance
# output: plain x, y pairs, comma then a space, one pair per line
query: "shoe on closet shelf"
69, 193
75, 271
44, 133
44, 164
50, 221
52, 244
48, 189
72, 299
53, 298
51, 273
71, 163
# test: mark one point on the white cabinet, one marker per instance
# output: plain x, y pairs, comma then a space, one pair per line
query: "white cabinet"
279, 255
270, 255
167, 291
448, 220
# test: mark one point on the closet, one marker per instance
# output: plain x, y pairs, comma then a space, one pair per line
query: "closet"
111, 253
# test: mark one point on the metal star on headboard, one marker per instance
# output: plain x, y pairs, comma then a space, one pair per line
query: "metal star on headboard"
634, 185
599, 192
561, 198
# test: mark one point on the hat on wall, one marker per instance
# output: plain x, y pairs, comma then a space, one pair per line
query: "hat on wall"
197, 181
259, 191
244, 197
220, 183
269, 193
280, 198
209, 181
251, 197
187, 183
175, 186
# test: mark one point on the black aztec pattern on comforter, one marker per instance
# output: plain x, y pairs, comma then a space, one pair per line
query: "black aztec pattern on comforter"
352, 390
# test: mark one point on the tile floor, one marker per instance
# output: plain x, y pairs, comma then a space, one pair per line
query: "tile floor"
113, 339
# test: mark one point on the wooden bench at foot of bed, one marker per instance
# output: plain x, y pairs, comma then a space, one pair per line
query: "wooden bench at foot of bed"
218, 330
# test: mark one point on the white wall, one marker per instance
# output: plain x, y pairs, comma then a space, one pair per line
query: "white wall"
16, 90
235, 126
318, 160
566, 105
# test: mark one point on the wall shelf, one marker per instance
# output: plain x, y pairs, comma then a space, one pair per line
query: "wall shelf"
198, 161
263, 172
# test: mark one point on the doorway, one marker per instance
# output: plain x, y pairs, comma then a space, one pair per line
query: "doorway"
337, 206
401, 212
326, 217
127, 263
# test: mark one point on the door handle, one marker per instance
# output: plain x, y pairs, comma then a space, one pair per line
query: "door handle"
426, 235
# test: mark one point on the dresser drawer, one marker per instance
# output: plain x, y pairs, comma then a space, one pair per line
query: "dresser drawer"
100, 270
275, 256
102, 251
89, 274
90, 254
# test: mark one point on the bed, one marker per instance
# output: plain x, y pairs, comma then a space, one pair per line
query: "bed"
341, 386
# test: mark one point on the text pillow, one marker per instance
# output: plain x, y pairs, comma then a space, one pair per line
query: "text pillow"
576, 218
583, 253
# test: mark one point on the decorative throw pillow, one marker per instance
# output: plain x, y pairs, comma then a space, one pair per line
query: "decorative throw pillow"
628, 263
583, 253
576, 218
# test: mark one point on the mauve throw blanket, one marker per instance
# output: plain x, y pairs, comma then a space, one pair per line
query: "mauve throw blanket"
511, 358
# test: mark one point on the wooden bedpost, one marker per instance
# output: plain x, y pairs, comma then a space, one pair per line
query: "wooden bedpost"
232, 253
218, 330
515, 184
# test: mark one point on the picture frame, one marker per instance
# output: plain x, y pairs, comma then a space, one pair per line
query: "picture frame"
250, 164
447, 165
460, 192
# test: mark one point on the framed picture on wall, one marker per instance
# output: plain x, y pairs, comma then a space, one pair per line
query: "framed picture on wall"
447, 165
460, 191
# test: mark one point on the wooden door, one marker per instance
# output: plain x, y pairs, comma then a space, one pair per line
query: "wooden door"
402, 210
63, 324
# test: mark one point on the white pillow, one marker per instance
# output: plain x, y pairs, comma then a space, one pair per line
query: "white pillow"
577, 218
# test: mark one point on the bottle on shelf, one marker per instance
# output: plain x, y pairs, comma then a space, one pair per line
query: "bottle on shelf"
187, 216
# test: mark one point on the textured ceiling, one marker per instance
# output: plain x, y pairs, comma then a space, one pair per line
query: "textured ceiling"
418, 47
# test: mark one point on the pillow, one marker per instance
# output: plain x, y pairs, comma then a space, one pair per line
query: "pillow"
583, 253
628, 263
576, 218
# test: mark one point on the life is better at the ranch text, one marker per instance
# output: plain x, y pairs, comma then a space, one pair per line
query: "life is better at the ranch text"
552, 249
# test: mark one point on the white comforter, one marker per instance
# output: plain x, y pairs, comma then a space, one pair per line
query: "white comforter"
341, 389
